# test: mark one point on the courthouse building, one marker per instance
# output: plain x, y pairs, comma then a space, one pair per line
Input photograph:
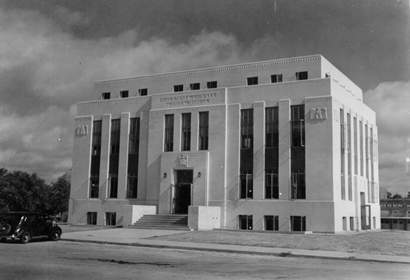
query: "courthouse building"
279, 145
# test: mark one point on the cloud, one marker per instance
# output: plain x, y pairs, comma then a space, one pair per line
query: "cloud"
44, 69
391, 101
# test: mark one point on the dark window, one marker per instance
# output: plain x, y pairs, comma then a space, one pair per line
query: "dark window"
91, 218
361, 147
186, 132
169, 133
271, 153
349, 156
344, 223
371, 162
246, 182
342, 155
110, 218
276, 78
106, 95
271, 186
302, 75
246, 128
212, 84
351, 223
245, 222
95, 159
272, 223
298, 223
143, 91
178, 88
252, 81
114, 158
203, 130
194, 86
246, 154
124, 93
298, 188
366, 149
133, 152
356, 161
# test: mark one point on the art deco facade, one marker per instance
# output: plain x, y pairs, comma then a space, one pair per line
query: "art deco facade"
281, 145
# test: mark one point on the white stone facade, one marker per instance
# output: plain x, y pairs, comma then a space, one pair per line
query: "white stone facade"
326, 94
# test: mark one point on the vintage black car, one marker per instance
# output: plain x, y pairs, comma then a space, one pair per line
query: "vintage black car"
24, 226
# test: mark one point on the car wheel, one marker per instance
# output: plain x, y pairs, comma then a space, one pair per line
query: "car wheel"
25, 238
55, 236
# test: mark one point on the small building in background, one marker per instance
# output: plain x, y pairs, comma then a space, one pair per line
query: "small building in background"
395, 213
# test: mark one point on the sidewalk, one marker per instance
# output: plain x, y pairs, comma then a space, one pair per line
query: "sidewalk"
138, 237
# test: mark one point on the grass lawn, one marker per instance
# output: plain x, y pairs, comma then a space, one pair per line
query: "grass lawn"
381, 242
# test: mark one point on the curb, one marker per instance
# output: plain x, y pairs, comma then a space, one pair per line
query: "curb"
238, 251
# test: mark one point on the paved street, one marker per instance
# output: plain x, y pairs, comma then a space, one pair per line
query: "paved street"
71, 260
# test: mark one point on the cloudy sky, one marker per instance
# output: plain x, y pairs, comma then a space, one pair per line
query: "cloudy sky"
51, 52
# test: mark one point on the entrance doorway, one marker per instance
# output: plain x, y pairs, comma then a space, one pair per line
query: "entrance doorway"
182, 191
365, 212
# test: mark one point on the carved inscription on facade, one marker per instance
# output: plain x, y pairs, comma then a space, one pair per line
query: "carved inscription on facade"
188, 99
318, 113
81, 130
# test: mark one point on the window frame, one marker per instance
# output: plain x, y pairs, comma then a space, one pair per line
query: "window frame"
252, 81
178, 88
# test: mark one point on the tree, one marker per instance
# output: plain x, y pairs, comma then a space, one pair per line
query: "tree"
59, 194
20, 191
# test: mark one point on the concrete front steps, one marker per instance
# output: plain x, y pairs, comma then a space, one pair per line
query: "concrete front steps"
169, 222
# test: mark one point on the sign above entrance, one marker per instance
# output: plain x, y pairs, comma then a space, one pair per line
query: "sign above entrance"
183, 160
188, 99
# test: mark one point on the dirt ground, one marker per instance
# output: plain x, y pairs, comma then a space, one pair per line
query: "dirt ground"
381, 242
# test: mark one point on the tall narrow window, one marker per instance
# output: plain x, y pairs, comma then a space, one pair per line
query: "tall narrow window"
361, 147
356, 159
372, 164
349, 156
169, 133
366, 149
366, 161
114, 158
95, 159
186, 132
342, 155
298, 190
133, 152
271, 153
203, 130
298, 223
246, 155
245, 222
